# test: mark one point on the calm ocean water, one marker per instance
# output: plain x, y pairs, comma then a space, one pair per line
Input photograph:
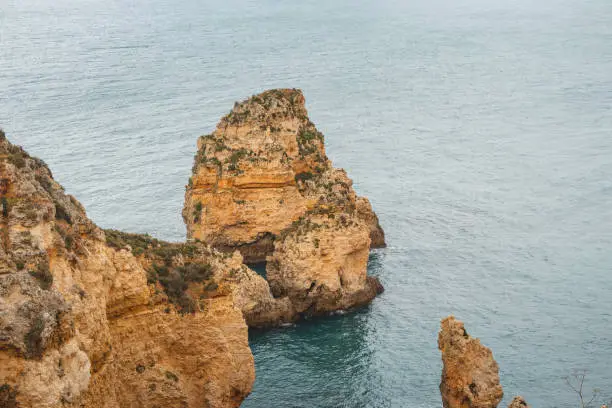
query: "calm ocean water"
481, 130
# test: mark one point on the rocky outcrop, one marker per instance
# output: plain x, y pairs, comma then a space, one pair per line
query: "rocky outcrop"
80, 325
518, 402
188, 273
95, 318
262, 184
470, 375
261, 169
320, 264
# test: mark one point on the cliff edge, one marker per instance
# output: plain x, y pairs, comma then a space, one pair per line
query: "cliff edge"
80, 326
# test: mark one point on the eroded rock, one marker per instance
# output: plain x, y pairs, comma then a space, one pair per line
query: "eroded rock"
518, 402
262, 184
262, 168
81, 327
470, 375
189, 274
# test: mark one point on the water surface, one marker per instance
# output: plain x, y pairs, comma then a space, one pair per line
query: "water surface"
480, 130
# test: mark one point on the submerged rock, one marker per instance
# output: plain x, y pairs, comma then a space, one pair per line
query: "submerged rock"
81, 327
470, 375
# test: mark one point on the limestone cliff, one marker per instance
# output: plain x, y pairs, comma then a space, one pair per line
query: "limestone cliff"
262, 184
470, 375
320, 264
80, 325
261, 169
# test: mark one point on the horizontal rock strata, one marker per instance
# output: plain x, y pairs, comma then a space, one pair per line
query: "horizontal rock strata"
262, 184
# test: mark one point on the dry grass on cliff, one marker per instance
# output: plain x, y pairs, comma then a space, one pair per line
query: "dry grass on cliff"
174, 266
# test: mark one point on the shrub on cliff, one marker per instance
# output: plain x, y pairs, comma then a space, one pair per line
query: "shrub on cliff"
33, 338
575, 382
175, 281
43, 275
8, 394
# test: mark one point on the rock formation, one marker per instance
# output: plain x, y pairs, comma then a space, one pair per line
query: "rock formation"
470, 375
187, 273
263, 184
94, 318
263, 168
518, 402
80, 326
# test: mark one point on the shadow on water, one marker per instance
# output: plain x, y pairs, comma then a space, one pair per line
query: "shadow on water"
327, 358
260, 268
331, 354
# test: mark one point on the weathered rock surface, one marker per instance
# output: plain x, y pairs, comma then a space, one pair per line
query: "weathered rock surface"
189, 273
263, 184
518, 402
320, 264
253, 176
470, 375
80, 326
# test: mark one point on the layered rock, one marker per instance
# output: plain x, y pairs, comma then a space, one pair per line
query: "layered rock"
320, 264
247, 177
470, 374
80, 325
262, 184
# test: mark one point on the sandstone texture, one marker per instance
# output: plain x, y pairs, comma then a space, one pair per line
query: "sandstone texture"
470, 375
188, 274
262, 184
84, 322
261, 169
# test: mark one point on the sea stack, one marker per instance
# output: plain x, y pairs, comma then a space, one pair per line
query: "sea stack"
470, 374
263, 184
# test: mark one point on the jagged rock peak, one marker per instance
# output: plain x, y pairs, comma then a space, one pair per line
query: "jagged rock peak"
262, 168
263, 184
470, 374
270, 105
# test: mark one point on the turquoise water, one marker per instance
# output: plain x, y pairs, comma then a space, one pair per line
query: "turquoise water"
480, 130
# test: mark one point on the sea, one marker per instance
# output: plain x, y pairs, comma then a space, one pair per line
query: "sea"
481, 131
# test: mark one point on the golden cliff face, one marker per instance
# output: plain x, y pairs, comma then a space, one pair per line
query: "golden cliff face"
320, 264
260, 181
245, 187
190, 274
80, 325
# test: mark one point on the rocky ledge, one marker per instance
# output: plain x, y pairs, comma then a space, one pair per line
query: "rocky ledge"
262, 184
